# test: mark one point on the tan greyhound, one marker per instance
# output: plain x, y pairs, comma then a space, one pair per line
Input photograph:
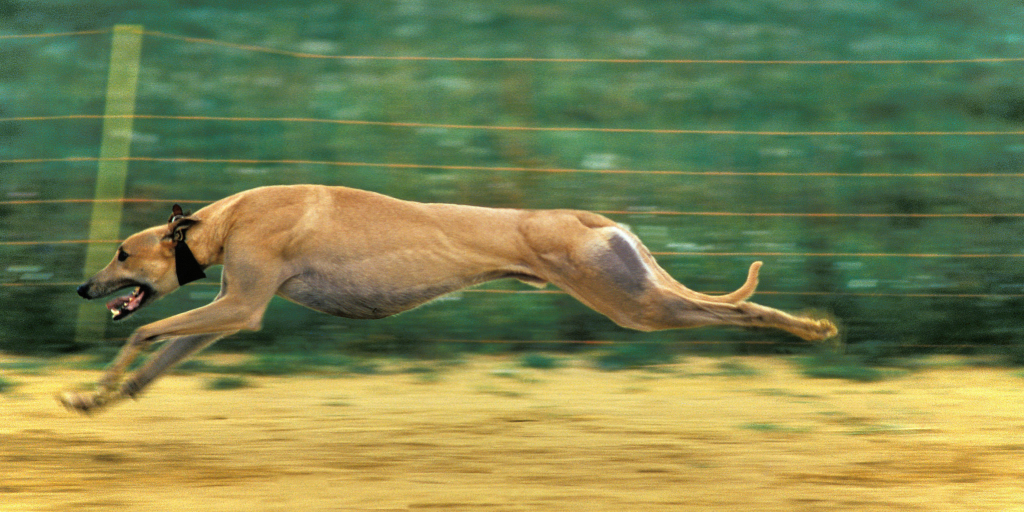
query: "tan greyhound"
358, 254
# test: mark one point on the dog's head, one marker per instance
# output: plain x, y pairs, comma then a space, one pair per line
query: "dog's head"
153, 262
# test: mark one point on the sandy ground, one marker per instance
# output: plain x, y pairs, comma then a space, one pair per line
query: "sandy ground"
488, 436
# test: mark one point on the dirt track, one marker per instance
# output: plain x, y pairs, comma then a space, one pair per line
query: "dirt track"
489, 436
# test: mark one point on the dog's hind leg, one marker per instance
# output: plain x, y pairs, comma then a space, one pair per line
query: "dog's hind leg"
609, 270
667, 310
173, 351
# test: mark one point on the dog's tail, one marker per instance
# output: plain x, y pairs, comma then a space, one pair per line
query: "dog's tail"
744, 292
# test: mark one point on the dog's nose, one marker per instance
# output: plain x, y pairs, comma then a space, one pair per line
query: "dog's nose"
83, 291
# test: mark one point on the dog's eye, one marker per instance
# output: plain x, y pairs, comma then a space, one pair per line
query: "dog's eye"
121, 255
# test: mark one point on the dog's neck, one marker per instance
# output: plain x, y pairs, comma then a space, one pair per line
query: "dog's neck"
204, 246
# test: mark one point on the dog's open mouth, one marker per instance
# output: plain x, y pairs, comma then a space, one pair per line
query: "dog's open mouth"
123, 306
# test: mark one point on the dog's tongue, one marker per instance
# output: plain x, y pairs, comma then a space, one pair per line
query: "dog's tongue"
118, 303
126, 303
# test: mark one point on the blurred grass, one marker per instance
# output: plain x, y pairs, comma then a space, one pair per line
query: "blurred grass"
226, 383
775, 428
633, 356
831, 365
24, 367
733, 368
539, 361
282, 364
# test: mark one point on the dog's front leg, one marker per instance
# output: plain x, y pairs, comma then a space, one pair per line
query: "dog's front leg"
173, 352
139, 341
109, 384
111, 387
193, 330
125, 357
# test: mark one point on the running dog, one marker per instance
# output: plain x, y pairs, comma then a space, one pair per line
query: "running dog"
358, 254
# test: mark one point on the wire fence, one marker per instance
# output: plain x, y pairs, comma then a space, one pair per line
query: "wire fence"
648, 131
830, 62
1007, 176
638, 172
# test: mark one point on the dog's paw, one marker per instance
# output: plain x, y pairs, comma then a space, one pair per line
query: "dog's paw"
817, 326
84, 403
823, 329
827, 328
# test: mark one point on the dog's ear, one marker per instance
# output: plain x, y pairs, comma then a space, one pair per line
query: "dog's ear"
178, 223
177, 214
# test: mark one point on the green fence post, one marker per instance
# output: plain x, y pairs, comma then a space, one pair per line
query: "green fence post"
112, 171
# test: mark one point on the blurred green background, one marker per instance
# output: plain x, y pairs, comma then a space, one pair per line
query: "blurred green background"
924, 254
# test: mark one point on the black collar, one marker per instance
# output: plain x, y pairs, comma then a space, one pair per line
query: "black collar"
185, 264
